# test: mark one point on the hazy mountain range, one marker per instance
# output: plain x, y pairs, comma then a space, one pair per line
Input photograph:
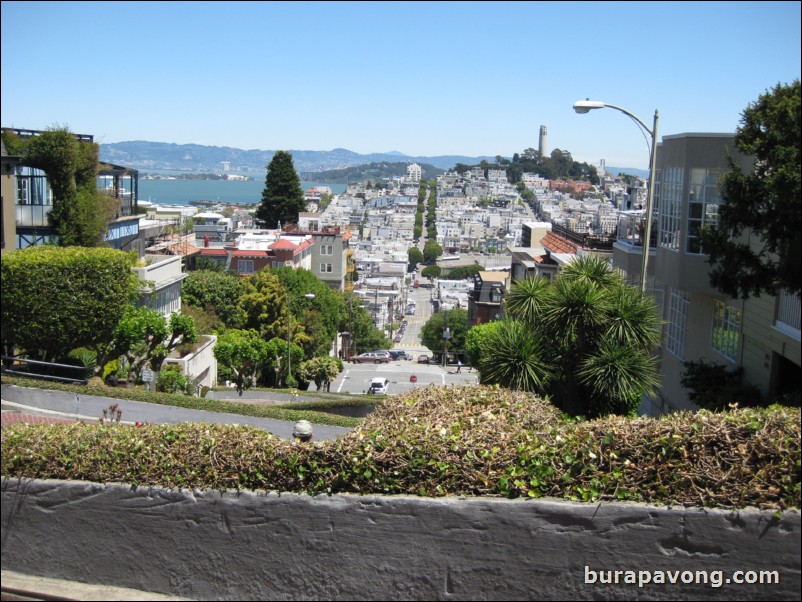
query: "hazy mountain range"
165, 157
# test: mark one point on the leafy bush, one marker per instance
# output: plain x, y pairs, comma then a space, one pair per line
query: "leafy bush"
713, 387
170, 380
439, 441
56, 299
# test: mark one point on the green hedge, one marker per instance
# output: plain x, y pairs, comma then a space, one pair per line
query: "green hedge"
438, 441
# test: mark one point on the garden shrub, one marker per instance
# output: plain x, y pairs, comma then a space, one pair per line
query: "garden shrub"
438, 441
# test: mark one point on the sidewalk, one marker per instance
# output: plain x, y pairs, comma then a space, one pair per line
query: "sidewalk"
18, 586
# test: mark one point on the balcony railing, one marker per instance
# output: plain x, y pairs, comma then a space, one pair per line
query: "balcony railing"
788, 313
586, 241
630, 231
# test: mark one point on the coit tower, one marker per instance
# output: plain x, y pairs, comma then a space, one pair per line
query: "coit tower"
544, 135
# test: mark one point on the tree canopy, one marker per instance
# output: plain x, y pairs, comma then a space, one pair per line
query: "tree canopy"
558, 165
215, 290
432, 332
765, 202
282, 198
414, 257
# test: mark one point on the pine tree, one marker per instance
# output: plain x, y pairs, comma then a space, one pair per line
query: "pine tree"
282, 198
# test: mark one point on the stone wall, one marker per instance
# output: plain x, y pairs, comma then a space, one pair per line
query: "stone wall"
252, 546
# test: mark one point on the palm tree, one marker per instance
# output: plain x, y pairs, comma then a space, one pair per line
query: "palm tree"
589, 340
519, 358
525, 299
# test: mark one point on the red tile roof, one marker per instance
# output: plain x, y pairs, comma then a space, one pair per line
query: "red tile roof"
555, 244
283, 243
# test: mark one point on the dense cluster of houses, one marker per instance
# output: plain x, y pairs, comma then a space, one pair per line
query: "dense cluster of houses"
359, 241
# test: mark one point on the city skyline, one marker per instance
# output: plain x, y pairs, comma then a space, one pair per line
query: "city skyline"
423, 79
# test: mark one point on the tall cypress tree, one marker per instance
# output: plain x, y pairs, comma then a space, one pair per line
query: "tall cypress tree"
282, 198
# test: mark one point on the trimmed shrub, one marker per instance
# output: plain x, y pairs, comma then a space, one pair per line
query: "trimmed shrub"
438, 441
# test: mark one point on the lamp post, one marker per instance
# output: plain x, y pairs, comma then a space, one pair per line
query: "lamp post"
289, 334
584, 106
446, 339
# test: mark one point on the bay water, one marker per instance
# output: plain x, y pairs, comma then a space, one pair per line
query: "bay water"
181, 192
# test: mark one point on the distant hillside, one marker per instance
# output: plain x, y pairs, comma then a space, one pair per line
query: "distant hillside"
631, 171
167, 157
371, 171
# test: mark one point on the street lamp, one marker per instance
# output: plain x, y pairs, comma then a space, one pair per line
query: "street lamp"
584, 106
289, 334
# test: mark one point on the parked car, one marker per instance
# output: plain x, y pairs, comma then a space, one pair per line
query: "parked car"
399, 355
378, 386
371, 357
423, 359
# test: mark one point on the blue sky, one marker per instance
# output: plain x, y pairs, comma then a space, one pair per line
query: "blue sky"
429, 78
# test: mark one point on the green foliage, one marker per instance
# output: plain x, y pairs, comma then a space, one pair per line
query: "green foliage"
432, 332
277, 371
320, 370
315, 322
56, 299
208, 264
516, 357
415, 256
170, 380
765, 203
714, 387
431, 250
206, 320
215, 290
85, 357
600, 333
243, 352
356, 320
144, 336
282, 198
431, 272
274, 301
445, 441
478, 342
557, 166
464, 272
80, 213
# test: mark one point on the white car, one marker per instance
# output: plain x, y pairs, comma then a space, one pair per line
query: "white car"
378, 386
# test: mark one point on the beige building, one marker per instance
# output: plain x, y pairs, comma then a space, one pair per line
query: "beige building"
761, 335
9, 184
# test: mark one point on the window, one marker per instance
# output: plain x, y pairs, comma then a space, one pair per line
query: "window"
703, 203
726, 335
677, 323
245, 266
32, 187
327, 249
326, 268
670, 208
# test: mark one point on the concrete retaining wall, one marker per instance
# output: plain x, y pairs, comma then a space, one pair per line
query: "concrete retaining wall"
250, 546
